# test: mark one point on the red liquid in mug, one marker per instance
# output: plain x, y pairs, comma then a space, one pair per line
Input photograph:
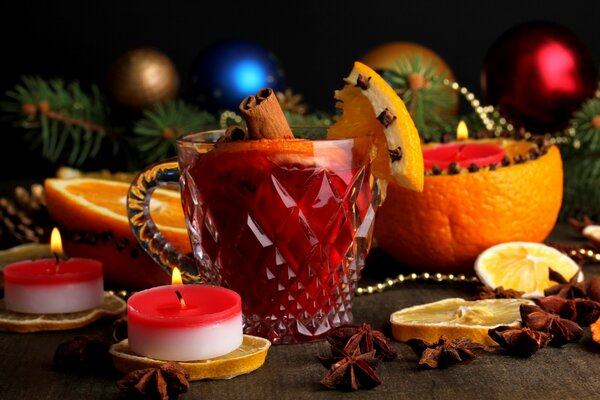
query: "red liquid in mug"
287, 226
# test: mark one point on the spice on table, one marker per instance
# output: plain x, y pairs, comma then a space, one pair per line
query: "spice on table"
364, 337
521, 342
568, 289
588, 311
558, 305
83, 354
579, 225
562, 330
445, 352
498, 293
164, 383
593, 288
582, 311
354, 371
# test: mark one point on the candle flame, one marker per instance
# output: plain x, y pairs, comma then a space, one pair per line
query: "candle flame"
56, 243
176, 277
462, 132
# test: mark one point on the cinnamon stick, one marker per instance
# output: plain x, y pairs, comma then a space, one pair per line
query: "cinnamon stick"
264, 116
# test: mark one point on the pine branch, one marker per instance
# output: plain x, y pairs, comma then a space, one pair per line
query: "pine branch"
582, 163
155, 135
67, 123
424, 94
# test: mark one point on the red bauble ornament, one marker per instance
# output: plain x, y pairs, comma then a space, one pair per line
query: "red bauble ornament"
538, 74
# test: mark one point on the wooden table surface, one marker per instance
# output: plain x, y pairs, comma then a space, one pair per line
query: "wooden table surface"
292, 371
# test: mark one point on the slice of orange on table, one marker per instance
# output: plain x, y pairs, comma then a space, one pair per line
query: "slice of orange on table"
10, 321
524, 267
456, 318
98, 207
248, 357
371, 106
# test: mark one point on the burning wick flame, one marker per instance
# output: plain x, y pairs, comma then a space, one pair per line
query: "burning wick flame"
462, 132
56, 245
176, 280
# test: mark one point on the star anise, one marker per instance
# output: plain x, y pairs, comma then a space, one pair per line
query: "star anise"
445, 352
521, 342
568, 289
579, 225
83, 354
164, 383
588, 311
562, 330
354, 371
558, 305
364, 337
593, 288
498, 293
582, 311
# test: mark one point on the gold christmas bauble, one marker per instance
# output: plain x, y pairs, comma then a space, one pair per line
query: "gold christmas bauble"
387, 55
141, 78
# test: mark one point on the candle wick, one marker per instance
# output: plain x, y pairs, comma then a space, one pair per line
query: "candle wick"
57, 258
180, 298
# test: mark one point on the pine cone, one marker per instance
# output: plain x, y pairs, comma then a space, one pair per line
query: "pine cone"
24, 217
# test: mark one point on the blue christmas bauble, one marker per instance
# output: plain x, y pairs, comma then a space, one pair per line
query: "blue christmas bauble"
228, 71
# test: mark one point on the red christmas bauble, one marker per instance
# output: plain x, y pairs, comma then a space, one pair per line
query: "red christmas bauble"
538, 74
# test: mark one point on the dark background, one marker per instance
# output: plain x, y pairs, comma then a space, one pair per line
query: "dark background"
315, 41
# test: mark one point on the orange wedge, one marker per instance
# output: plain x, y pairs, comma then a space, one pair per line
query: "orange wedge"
371, 106
97, 208
248, 357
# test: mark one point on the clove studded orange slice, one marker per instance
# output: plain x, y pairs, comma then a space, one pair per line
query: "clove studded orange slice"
524, 267
10, 321
248, 357
456, 318
94, 211
370, 106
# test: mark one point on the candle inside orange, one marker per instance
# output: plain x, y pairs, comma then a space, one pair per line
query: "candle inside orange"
462, 152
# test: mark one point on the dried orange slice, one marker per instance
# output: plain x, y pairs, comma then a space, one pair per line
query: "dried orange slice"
456, 318
524, 267
248, 357
10, 321
371, 106
592, 233
98, 207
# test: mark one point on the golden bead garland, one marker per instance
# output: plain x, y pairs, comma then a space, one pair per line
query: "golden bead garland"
496, 123
413, 277
584, 252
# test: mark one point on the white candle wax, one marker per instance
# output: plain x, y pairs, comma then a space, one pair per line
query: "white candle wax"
208, 326
43, 287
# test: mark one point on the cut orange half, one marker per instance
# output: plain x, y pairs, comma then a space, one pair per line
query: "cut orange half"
370, 106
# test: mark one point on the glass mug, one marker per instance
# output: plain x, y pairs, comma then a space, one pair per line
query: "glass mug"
287, 224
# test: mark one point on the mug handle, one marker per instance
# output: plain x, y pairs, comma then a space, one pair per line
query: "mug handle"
145, 230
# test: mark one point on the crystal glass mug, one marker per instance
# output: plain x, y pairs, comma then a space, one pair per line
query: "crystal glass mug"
287, 224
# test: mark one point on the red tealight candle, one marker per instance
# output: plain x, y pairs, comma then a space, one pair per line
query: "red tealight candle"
463, 153
184, 322
53, 286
